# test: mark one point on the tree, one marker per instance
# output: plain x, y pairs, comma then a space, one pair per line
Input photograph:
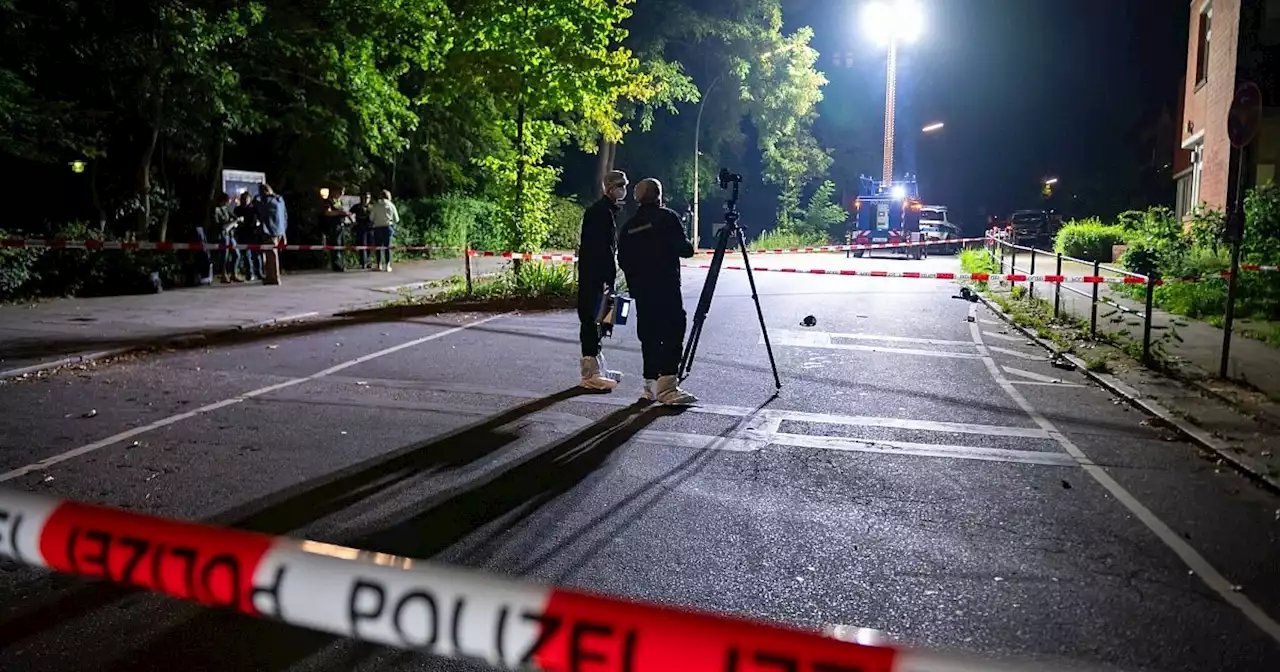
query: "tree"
823, 213
557, 72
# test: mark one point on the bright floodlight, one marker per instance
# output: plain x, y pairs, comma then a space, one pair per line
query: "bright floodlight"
899, 192
1052, 180
893, 21
936, 126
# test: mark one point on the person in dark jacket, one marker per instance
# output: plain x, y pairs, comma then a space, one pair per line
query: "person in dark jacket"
650, 246
596, 270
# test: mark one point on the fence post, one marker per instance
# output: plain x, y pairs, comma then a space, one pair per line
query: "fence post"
1093, 311
1031, 285
1146, 324
1057, 289
1013, 266
467, 268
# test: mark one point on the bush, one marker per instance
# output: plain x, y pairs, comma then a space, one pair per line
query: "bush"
451, 221
777, 239
44, 273
566, 224
17, 269
530, 280
1089, 239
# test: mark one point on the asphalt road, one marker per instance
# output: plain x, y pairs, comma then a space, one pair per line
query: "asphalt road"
920, 474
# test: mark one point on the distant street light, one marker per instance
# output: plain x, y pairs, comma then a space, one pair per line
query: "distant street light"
77, 166
892, 23
936, 126
1051, 180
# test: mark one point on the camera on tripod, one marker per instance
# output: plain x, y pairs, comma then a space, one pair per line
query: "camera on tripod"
727, 178
731, 231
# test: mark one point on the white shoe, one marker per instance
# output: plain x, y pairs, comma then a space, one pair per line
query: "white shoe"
388, 268
650, 392
670, 394
592, 378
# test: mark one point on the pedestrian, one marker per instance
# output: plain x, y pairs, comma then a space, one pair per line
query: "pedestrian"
249, 232
275, 226
650, 246
597, 272
225, 223
384, 217
364, 227
334, 218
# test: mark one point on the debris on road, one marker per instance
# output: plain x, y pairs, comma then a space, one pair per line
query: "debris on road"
1066, 485
809, 321
47, 479
272, 347
1060, 362
93, 412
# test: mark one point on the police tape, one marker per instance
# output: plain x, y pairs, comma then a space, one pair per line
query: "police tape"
855, 248
975, 277
129, 246
527, 256
410, 604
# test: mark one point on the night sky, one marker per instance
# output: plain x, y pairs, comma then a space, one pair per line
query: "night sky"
1027, 88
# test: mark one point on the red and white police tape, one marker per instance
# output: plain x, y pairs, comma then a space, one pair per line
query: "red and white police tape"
978, 277
847, 248
527, 256
416, 605
174, 247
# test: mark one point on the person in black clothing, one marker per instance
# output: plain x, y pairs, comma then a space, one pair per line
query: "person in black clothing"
333, 219
650, 246
596, 271
364, 226
249, 232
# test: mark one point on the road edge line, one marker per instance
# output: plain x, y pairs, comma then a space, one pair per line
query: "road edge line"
1135, 399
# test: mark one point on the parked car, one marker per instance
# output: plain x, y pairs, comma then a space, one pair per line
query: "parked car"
1035, 227
936, 226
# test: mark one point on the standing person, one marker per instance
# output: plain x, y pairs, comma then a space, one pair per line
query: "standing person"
384, 217
249, 232
597, 270
225, 223
650, 246
364, 226
334, 218
275, 225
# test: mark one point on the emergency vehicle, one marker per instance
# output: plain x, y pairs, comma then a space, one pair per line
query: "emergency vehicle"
886, 213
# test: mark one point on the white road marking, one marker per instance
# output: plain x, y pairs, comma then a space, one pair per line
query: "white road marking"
1190, 556
1037, 383
924, 449
770, 417
1007, 337
819, 339
890, 339
1032, 375
164, 422
1015, 353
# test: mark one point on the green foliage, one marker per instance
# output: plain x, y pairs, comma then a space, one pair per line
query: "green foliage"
33, 273
1262, 225
17, 269
1089, 239
786, 239
977, 261
823, 215
452, 221
566, 224
532, 280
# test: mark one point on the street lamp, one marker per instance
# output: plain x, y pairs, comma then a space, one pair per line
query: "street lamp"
697, 156
1051, 181
934, 127
892, 23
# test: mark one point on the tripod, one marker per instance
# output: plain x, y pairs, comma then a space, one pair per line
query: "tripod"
731, 228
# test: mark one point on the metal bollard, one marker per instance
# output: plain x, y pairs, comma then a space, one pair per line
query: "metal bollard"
1146, 325
1013, 266
1031, 286
467, 270
1057, 289
1093, 311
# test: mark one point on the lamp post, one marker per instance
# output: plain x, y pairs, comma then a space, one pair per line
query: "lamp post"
697, 156
890, 24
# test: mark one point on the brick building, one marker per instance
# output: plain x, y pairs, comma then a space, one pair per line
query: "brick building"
1231, 41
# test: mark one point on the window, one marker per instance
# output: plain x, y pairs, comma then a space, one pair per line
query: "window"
1202, 45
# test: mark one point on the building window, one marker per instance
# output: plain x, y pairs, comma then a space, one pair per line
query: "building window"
1197, 175
1202, 44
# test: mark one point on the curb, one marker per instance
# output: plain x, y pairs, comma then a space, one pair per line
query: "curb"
1136, 399
181, 340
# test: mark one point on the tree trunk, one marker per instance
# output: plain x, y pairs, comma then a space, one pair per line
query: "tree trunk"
215, 178
604, 162
142, 184
168, 191
519, 202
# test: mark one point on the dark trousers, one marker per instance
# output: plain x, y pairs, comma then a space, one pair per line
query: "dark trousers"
337, 236
363, 237
589, 294
661, 323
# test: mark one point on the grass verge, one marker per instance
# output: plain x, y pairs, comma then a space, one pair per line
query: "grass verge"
783, 240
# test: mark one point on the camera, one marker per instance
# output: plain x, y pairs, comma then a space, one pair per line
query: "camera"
727, 178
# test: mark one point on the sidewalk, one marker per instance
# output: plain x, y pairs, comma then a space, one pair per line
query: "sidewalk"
1197, 348
52, 332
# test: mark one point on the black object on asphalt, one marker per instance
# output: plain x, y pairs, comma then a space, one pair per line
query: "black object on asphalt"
809, 321
731, 228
